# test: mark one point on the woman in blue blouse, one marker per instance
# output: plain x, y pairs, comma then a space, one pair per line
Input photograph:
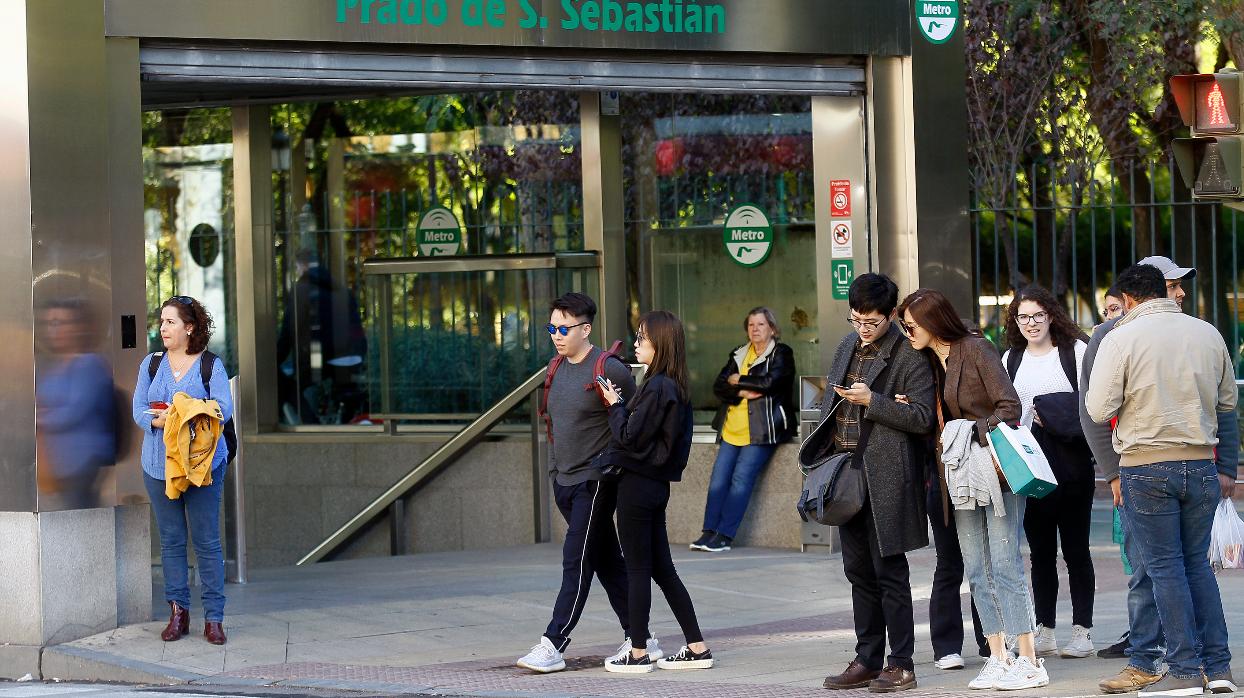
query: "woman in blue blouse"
185, 327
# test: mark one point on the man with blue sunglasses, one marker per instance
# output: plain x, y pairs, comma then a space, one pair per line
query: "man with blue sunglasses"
579, 430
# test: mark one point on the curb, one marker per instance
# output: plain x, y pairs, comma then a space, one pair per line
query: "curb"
68, 663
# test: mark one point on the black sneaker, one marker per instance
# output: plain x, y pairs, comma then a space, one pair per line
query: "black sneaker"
702, 541
717, 544
686, 659
1118, 650
628, 664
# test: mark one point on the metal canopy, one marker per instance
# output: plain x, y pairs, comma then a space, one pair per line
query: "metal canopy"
203, 75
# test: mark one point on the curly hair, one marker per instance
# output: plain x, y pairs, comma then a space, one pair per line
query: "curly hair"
194, 314
1063, 330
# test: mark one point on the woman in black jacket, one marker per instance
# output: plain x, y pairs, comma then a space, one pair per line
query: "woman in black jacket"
651, 442
756, 389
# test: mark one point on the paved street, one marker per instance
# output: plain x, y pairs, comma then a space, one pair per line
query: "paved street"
453, 623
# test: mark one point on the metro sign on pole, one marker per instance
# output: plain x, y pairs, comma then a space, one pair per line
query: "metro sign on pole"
1211, 162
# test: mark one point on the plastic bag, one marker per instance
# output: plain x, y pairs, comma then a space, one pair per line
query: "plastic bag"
1226, 538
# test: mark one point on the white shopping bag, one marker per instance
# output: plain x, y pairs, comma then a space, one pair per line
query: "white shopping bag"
1022, 461
1226, 538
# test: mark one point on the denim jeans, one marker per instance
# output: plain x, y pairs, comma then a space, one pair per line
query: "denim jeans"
201, 505
1170, 509
1144, 628
730, 488
994, 567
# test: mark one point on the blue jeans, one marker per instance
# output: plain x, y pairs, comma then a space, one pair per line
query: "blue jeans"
734, 476
1144, 629
201, 505
994, 567
1170, 510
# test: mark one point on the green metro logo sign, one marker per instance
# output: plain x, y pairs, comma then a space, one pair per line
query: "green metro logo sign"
937, 19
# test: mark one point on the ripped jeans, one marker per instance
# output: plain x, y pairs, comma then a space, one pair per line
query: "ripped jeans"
994, 567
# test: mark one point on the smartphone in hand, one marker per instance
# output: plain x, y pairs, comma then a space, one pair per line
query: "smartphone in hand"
604, 386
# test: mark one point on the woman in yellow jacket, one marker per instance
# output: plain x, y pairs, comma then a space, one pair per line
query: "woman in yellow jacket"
185, 327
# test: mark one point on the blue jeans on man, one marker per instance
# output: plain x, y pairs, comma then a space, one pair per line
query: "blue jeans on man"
1144, 627
201, 506
1170, 508
730, 488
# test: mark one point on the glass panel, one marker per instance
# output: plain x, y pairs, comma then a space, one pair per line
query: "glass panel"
354, 180
689, 160
188, 202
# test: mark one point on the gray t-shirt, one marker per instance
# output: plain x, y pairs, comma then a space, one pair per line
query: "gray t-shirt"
580, 418
1098, 436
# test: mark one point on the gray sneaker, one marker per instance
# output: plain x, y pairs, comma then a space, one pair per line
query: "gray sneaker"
1221, 683
1174, 686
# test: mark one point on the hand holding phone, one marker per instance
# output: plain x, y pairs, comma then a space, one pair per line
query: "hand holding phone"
608, 390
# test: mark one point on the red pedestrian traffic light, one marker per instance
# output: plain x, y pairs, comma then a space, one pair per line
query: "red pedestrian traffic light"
1211, 162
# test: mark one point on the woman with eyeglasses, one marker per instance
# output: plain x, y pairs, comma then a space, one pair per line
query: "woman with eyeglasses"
1044, 360
973, 386
1113, 306
757, 412
650, 445
185, 327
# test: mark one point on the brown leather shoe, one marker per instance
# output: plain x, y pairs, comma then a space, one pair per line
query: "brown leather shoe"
856, 676
178, 623
214, 632
892, 680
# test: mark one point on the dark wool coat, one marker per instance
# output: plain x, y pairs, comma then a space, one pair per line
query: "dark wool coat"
896, 437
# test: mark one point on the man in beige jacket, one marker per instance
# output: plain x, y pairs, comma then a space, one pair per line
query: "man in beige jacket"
1166, 376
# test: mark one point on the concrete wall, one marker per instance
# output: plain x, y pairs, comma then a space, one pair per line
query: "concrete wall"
299, 490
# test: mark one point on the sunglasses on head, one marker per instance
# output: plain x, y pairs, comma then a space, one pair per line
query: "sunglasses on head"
184, 300
563, 329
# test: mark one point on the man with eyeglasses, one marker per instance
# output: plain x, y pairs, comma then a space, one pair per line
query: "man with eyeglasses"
882, 417
1145, 639
579, 431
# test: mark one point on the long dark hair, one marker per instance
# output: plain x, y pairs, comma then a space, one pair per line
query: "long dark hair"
1063, 330
933, 311
664, 331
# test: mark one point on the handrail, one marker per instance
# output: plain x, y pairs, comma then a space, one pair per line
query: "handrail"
382, 266
427, 468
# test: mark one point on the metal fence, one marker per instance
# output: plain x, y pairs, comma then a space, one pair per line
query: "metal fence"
1074, 237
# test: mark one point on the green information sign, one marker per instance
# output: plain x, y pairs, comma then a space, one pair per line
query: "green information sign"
937, 19
748, 235
841, 273
439, 233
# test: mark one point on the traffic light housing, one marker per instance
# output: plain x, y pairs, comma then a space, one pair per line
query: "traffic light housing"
1211, 162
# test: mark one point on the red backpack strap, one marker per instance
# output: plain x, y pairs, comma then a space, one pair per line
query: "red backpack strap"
554, 364
614, 351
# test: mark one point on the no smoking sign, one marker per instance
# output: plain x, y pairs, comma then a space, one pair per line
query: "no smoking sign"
840, 198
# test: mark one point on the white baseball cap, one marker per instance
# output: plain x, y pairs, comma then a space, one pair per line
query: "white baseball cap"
1170, 270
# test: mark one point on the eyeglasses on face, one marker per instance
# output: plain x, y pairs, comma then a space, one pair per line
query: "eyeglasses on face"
908, 327
640, 338
864, 324
184, 300
563, 329
1112, 309
1039, 318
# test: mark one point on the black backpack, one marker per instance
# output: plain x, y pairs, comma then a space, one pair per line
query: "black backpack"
206, 364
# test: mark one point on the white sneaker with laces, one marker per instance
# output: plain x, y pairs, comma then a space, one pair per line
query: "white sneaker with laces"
950, 661
654, 650
543, 658
1045, 641
1023, 674
1081, 644
993, 670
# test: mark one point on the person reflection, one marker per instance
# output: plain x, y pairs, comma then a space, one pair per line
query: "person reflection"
321, 346
75, 426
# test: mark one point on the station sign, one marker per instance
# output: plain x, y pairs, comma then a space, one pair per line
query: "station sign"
748, 236
439, 233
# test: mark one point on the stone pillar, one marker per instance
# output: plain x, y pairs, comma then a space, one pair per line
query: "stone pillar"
71, 190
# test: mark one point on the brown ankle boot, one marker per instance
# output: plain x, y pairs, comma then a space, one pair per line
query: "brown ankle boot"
178, 623
214, 632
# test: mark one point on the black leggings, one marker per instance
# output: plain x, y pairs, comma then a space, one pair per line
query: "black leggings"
1062, 515
646, 549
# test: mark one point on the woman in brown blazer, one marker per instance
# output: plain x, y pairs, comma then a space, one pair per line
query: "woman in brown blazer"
973, 385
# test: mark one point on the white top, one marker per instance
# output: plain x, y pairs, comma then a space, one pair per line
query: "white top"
1041, 375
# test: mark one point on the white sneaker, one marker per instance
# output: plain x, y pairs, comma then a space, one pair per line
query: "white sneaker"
1023, 674
543, 658
1045, 641
993, 670
1081, 644
654, 650
950, 661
